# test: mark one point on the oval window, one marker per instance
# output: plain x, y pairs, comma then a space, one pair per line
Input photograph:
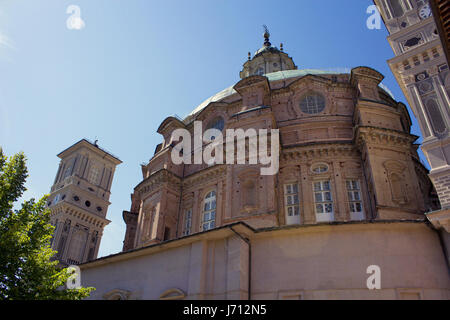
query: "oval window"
319, 168
312, 104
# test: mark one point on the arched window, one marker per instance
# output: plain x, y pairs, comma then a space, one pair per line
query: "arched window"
209, 211
216, 123
436, 116
94, 175
77, 244
69, 168
396, 8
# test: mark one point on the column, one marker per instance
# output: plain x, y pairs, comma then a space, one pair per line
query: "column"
196, 212
339, 202
57, 236
67, 245
220, 203
307, 197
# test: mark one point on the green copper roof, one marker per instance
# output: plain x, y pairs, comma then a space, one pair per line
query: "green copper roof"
275, 76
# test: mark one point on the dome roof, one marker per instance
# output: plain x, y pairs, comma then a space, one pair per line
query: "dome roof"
266, 49
275, 76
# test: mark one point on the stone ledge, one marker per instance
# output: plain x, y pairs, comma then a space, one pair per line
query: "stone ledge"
440, 219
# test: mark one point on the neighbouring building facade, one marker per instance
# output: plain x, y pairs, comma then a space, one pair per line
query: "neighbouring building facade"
421, 69
351, 192
79, 201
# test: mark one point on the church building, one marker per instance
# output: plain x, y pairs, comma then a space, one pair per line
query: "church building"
350, 196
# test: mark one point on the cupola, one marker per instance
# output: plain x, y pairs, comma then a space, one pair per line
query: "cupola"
267, 59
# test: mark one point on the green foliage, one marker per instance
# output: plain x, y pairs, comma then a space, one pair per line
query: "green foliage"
26, 269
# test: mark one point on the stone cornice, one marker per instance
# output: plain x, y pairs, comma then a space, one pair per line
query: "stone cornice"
155, 180
383, 136
251, 81
204, 175
413, 52
440, 219
129, 217
320, 150
79, 213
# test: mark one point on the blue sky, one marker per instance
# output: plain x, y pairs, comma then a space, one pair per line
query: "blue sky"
137, 62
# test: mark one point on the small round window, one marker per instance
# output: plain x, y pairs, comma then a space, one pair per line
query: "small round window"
312, 103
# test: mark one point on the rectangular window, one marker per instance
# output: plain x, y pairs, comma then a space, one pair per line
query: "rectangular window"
94, 175
406, 65
209, 212
68, 169
355, 200
387, 10
291, 203
187, 222
323, 201
435, 53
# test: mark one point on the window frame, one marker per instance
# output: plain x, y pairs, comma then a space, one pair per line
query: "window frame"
318, 165
287, 195
404, 4
97, 170
323, 216
187, 224
309, 109
209, 223
352, 201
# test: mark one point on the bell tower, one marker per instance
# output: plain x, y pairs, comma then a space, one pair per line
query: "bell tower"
422, 71
79, 201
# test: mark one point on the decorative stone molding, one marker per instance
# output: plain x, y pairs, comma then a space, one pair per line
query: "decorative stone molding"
78, 213
173, 294
205, 175
395, 171
382, 136
155, 181
242, 86
317, 151
440, 219
117, 294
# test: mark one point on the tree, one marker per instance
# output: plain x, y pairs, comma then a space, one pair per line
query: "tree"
27, 270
